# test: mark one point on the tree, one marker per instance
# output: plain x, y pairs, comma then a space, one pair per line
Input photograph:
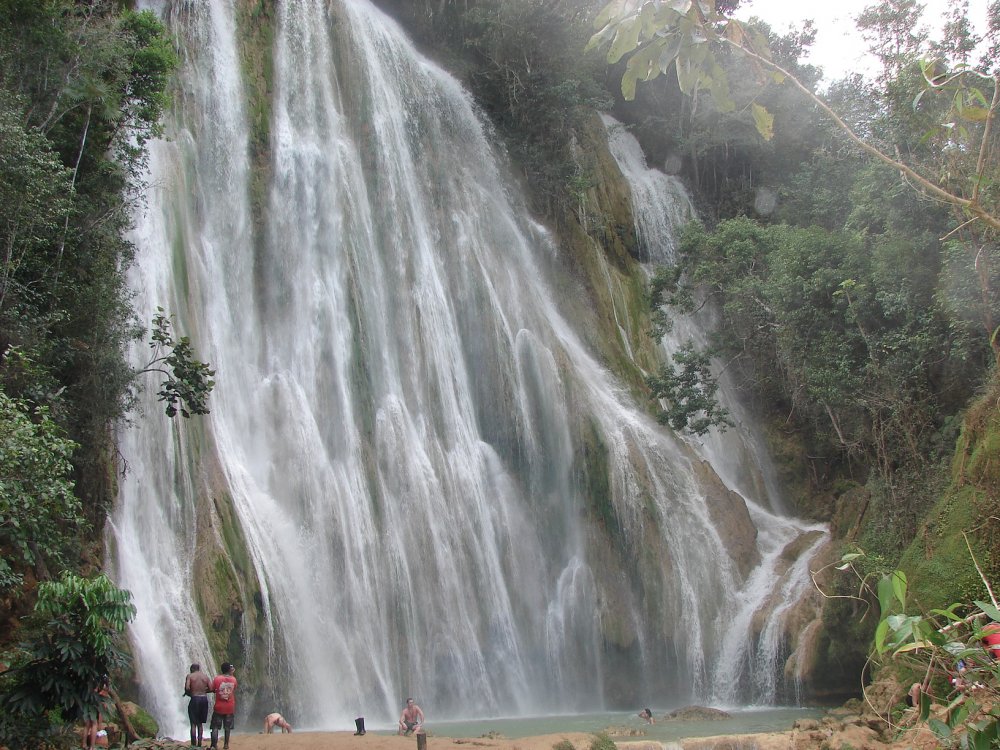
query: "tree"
39, 514
189, 380
959, 40
893, 32
34, 190
82, 88
686, 35
73, 642
689, 393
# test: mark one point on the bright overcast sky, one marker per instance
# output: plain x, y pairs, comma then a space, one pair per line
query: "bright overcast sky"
839, 48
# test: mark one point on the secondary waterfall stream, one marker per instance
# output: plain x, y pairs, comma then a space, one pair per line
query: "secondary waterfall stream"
416, 478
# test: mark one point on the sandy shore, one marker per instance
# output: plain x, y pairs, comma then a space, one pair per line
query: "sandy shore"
386, 741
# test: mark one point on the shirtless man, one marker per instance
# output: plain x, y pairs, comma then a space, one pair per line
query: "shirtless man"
412, 719
196, 685
276, 720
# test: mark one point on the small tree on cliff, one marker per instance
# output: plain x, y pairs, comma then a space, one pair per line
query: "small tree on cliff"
188, 380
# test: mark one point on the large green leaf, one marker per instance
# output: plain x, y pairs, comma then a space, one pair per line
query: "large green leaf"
626, 39
885, 595
991, 611
899, 586
942, 730
880, 633
611, 10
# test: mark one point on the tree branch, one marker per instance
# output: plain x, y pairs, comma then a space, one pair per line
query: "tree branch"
972, 206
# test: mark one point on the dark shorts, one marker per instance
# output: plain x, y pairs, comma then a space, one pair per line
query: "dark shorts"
222, 721
198, 709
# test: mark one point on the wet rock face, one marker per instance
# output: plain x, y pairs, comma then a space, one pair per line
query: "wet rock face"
731, 519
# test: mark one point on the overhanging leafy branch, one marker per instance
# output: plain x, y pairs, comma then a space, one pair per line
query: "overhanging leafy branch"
657, 35
188, 382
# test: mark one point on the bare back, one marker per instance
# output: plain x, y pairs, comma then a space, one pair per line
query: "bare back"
197, 683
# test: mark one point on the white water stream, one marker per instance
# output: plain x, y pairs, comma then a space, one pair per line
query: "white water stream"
412, 440
661, 206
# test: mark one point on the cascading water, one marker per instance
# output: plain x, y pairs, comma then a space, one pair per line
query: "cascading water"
415, 479
747, 666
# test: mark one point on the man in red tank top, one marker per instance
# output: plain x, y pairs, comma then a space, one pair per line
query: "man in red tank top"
224, 711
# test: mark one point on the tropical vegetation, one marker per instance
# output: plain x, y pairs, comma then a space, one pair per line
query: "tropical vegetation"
83, 86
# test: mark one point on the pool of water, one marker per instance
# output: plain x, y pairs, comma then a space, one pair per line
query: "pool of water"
742, 721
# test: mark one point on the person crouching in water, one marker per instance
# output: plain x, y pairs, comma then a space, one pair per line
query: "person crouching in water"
276, 720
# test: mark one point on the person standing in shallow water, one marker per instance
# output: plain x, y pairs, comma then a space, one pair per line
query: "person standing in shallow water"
412, 718
224, 711
197, 685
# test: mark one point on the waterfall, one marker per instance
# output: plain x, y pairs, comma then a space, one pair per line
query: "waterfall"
660, 202
416, 479
747, 666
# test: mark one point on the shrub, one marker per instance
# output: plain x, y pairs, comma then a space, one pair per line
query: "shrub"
601, 741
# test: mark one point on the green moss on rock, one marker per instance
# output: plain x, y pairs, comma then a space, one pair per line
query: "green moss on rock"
143, 723
964, 524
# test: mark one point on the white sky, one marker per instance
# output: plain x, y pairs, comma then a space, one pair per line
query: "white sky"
839, 48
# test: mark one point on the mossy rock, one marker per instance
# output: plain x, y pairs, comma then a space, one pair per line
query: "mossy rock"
141, 720
961, 530
697, 713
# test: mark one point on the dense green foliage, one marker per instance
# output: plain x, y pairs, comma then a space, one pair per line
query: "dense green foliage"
40, 514
854, 308
70, 647
82, 89
844, 329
